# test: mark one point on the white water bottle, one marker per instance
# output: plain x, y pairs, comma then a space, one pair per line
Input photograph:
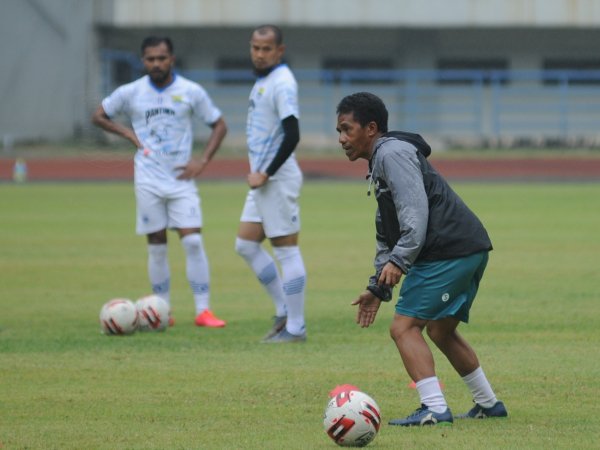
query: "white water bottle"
20, 170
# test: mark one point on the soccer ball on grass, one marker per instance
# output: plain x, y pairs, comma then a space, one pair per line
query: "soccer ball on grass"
153, 312
352, 418
118, 316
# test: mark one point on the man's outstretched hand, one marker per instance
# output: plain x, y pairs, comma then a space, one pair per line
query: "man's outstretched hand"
368, 305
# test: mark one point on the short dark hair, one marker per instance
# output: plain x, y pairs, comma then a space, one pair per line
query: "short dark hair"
365, 107
264, 29
153, 41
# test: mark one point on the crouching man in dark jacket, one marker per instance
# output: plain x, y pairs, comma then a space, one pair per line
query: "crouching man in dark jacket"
427, 233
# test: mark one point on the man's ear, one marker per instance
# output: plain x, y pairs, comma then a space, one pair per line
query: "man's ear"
372, 129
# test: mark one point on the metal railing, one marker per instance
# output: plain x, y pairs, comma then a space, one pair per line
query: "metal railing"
454, 105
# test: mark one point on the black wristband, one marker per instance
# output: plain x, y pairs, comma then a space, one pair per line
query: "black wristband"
383, 293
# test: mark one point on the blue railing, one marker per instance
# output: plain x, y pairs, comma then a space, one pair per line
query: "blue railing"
467, 105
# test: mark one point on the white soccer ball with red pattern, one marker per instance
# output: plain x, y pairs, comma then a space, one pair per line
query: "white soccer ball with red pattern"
118, 316
352, 419
153, 313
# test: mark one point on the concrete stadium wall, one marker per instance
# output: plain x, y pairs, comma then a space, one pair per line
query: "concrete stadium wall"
333, 13
46, 61
52, 77
307, 47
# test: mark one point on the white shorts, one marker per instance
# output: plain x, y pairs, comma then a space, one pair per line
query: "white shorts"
275, 206
159, 207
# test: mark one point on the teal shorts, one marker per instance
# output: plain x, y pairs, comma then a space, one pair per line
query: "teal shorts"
439, 289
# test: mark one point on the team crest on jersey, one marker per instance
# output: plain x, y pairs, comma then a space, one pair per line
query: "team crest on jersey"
261, 91
177, 98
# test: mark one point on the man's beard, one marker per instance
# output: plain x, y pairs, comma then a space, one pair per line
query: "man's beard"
159, 77
263, 72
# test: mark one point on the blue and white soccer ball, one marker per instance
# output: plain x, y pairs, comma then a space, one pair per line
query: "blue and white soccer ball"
118, 317
352, 419
153, 313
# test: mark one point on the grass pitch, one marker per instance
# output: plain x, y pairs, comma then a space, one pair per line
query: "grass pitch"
68, 248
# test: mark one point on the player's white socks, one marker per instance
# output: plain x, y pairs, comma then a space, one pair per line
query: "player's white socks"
158, 270
197, 270
480, 387
431, 394
293, 275
263, 265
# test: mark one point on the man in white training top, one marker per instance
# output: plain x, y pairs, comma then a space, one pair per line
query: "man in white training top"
271, 209
161, 106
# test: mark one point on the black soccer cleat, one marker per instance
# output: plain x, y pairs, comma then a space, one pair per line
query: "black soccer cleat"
479, 412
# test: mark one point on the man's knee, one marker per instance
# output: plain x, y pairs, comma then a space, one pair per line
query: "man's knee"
402, 325
158, 237
192, 243
395, 332
246, 248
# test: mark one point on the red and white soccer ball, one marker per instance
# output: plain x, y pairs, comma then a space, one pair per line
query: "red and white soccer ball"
118, 316
153, 312
352, 418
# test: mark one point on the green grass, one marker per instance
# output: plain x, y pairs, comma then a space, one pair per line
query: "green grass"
65, 249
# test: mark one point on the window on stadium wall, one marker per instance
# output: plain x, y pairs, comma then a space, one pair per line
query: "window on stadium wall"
357, 71
571, 71
469, 71
122, 66
122, 72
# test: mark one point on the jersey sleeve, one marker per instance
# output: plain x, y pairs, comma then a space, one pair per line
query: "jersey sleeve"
203, 106
116, 102
286, 99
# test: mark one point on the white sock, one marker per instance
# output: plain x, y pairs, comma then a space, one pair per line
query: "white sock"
293, 275
158, 270
480, 388
431, 394
197, 271
263, 266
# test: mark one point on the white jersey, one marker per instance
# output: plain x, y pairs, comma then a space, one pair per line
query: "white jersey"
162, 121
272, 99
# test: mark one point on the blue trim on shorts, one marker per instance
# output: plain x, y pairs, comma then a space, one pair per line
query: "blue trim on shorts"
439, 289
